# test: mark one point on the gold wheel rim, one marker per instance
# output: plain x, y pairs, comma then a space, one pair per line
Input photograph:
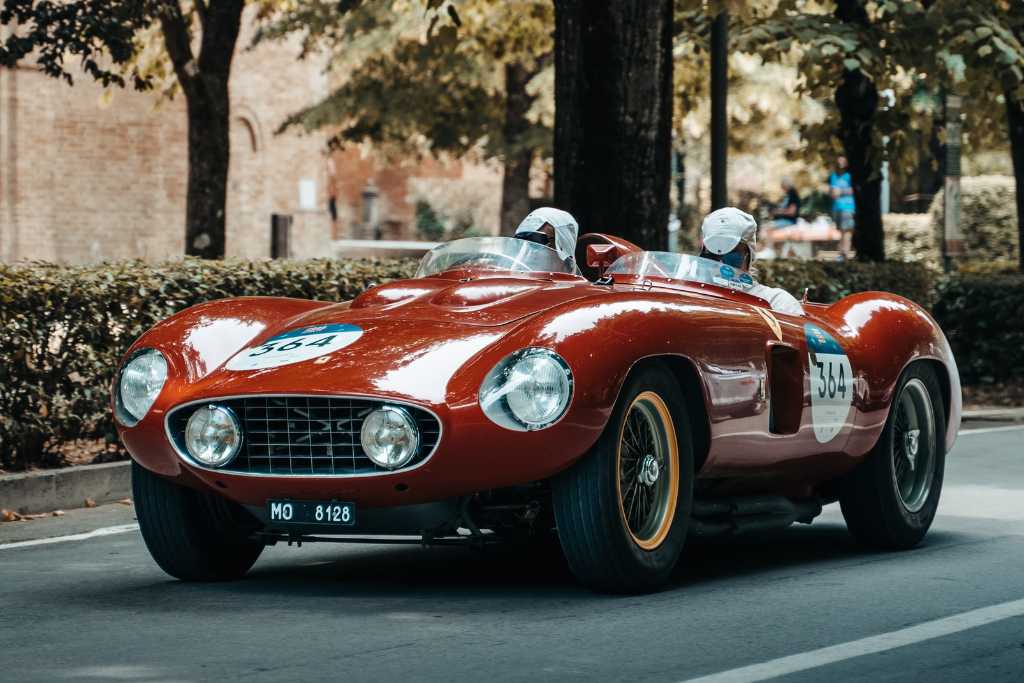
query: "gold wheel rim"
647, 494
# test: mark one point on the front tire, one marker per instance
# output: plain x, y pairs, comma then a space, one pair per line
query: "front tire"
192, 535
622, 512
890, 500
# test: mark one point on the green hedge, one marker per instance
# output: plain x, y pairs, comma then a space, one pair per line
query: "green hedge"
63, 330
983, 316
828, 282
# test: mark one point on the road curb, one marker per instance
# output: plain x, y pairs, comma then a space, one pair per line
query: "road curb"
66, 488
995, 414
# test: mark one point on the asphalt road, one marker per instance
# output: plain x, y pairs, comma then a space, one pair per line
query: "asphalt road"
748, 609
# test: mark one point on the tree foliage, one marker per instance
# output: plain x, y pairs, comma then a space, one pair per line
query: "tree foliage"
99, 33
438, 85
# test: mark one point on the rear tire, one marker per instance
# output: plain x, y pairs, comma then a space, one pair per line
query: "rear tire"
192, 535
621, 520
890, 500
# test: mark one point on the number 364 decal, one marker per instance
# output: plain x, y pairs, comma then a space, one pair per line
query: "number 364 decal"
831, 383
294, 346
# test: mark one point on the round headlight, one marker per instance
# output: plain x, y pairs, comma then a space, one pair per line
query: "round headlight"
529, 389
390, 437
213, 435
141, 381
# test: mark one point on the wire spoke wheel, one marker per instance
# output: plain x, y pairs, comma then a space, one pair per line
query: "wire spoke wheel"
913, 447
647, 470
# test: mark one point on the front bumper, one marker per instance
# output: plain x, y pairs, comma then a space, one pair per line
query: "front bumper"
473, 455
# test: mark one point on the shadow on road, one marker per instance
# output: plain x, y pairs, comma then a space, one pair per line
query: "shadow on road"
452, 581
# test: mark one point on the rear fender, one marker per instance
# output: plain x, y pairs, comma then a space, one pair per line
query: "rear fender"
886, 333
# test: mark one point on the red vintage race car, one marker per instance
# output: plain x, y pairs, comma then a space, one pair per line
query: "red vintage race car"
502, 393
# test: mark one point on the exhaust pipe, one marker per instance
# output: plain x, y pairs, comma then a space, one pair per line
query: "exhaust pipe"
732, 516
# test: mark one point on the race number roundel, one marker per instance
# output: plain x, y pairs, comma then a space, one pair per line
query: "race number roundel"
831, 383
294, 346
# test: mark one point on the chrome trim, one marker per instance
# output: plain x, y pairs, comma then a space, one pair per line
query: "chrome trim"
188, 460
510, 360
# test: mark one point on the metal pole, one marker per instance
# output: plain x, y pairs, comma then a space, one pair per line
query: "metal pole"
952, 238
719, 115
371, 211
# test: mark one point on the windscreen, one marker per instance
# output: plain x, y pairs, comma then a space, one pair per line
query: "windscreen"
494, 253
675, 266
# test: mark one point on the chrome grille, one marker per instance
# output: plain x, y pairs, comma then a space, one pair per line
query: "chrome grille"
305, 435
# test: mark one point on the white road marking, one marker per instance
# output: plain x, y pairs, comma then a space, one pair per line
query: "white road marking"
867, 646
95, 533
986, 430
987, 502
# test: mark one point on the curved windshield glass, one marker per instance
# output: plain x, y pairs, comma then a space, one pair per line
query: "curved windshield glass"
494, 253
669, 264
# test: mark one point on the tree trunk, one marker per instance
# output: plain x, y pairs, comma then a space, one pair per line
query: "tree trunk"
515, 184
208, 161
857, 101
613, 115
720, 111
1015, 126
204, 82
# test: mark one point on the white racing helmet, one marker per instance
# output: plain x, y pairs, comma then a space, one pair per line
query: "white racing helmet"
725, 228
566, 228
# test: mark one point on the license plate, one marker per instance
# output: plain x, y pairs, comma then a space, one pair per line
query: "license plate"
327, 513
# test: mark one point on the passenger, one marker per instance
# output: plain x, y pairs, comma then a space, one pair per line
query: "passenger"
553, 228
730, 236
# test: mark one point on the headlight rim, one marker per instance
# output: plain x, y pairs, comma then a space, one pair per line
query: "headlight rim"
236, 423
500, 412
121, 413
410, 419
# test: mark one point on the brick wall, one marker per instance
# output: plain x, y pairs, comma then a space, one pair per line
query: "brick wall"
86, 176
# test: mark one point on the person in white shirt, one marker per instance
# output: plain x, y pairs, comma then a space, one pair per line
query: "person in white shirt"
730, 236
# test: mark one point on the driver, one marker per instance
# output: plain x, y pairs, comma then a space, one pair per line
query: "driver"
553, 228
730, 236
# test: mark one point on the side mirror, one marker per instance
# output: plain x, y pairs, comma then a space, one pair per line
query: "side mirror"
600, 256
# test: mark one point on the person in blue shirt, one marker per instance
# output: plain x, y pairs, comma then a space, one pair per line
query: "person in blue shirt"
841, 188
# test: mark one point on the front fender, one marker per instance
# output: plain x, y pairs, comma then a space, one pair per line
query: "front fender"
195, 342
602, 338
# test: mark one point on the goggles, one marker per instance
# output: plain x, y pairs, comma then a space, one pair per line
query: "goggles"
536, 237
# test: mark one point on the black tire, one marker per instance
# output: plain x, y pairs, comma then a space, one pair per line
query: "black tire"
602, 549
192, 535
883, 502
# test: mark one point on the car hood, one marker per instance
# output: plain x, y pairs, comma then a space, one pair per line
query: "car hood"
389, 358
408, 338
481, 302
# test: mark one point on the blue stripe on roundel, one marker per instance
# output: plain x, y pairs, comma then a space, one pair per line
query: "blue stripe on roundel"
820, 341
315, 329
